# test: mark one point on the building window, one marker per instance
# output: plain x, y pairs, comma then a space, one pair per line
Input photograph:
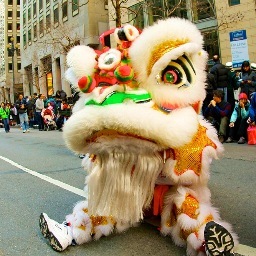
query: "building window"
10, 67
9, 26
9, 14
35, 31
18, 2
18, 14
34, 8
24, 40
48, 20
75, 7
233, 2
29, 35
40, 5
18, 39
18, 66
29, 13
64, 10
41, 26
202, 9
18, 26
56, 14
47, 3
10, 2
211, 42
24, 2
24, 18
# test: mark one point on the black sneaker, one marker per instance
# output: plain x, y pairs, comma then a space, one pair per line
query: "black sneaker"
218, 241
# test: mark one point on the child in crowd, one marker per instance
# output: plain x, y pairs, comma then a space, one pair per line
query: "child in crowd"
238, 121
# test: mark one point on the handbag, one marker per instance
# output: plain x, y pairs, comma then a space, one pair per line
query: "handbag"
251, 134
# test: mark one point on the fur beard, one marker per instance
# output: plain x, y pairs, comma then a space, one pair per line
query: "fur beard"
121, 180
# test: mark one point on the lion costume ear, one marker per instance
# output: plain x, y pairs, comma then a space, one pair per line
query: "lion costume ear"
126, 33
81, 61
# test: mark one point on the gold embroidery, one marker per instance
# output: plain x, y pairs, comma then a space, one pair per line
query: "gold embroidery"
189, 157
161, 49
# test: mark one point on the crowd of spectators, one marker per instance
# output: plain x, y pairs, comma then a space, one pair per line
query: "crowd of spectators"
36, 111
230, 104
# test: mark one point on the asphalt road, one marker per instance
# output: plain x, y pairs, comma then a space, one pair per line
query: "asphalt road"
24, 195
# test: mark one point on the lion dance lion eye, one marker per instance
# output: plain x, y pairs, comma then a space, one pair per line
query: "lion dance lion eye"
171, 75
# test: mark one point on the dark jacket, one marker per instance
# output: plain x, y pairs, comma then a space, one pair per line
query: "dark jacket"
245, 87
18, 106
252, 108
220, 73
222, 109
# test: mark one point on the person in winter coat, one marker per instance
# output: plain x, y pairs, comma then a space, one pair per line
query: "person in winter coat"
218, 113
247, 81
220, 73
4, 114
238, 121
252, 111
21, 106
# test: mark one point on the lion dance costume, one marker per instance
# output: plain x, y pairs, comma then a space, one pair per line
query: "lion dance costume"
147, 147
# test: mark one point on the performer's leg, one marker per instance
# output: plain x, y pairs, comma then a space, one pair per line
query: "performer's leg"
186, 213
79, 227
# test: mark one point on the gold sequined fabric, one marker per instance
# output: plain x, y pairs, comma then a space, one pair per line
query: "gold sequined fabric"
189, 157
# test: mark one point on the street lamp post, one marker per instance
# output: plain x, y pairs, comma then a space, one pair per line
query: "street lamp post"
11, 49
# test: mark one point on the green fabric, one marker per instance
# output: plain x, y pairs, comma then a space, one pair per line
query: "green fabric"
120, 97
4, 112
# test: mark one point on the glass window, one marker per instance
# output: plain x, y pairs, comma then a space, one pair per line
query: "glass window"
34, 8
211, 42
18, 26
35, 30
24, 18
47, 3
29, 13
18, 66
9, 14
40, 5
234, 2
29, 35
41, 26
18, 2
18, 14
18, 39
24, 40
9, 26
64, 10
75, 7
10, 2
202, 9
10, 67
56, 14
48, 20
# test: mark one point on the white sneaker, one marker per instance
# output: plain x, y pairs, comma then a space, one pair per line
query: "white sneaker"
59, 235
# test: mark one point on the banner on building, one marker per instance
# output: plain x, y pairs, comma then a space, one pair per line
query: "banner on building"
239, 47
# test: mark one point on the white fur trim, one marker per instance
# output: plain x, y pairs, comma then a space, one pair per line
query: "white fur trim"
173, 130
135, 32
114, 54
82, 60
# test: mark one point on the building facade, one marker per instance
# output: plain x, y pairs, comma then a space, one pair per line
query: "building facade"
217, 20
10, 70
49, 29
